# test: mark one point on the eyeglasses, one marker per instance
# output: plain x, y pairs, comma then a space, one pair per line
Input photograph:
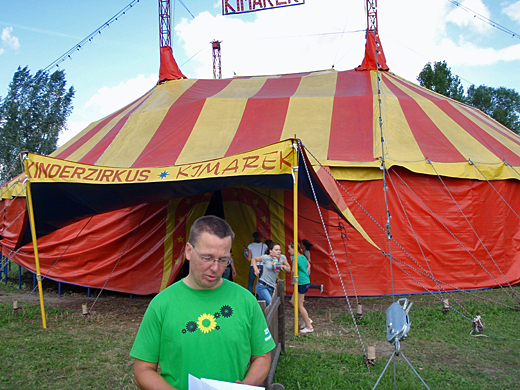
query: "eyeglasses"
207, 259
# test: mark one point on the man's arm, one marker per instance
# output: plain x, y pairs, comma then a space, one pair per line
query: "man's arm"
146, 376
255, 267
258, 370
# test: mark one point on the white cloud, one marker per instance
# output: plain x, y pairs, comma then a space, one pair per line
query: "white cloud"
73, 129
106, 101
288, 39
110, 99
10, 40
2, 51
463, 18
412, 34
513, 11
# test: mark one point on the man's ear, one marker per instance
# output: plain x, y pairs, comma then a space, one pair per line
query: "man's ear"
188, 251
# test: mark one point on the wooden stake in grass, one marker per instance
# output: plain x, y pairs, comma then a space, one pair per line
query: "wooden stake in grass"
359, 311
15, 307
84, 310
445, 306
371, 355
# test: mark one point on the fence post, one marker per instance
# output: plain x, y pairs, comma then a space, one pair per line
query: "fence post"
281, 314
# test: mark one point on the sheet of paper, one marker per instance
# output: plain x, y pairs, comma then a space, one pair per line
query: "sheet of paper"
219, 385
196, 384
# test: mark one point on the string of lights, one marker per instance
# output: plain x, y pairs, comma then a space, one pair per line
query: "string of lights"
91, 36
84, 41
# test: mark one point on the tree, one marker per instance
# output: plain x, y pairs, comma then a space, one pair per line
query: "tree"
441, 80
32, 115
502, 104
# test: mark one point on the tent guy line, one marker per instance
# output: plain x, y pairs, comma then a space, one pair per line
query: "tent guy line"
422, 271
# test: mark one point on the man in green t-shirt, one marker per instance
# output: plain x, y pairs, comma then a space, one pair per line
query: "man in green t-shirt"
203, 325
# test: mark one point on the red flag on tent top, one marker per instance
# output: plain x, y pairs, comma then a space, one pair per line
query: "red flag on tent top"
169, 69
374, 55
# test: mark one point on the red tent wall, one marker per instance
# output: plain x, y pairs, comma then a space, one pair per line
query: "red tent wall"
438, 225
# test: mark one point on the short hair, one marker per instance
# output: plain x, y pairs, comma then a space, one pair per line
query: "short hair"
257, 236
291, 245
212, 225
307, 244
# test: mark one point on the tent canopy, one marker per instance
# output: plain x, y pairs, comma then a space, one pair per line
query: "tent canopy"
335, 114
164, 149
85, 190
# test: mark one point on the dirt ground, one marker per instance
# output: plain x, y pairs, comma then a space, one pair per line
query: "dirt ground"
128, 310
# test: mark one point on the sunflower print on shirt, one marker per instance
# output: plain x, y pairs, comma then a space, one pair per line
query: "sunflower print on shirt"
207, 323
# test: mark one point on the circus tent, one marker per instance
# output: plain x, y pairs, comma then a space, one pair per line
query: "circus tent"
449, 219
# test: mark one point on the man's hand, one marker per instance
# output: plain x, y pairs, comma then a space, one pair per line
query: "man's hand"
146, 377
258, 370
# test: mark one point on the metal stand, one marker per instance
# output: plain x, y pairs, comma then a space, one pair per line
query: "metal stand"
397, 328
396, 353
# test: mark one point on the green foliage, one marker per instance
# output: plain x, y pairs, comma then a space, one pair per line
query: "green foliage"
502, 104
32, 115
441, 80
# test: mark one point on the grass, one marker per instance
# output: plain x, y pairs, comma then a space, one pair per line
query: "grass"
439, 347
75, 353
72, 353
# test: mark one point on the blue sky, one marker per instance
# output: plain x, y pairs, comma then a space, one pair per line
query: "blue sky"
122, 62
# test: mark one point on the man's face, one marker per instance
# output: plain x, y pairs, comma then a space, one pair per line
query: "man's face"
206, 276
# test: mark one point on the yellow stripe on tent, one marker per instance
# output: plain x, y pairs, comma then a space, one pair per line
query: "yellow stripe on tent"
97, 138
467, 145
309, 114
489, 125
228, 105
400, 142
168, 242
142, 125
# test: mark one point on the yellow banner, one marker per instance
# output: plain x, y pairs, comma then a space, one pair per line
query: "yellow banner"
273, 159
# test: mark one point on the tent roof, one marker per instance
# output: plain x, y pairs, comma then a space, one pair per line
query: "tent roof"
335, 114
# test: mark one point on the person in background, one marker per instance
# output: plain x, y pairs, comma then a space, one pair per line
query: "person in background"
303, 287
273, 262
306, 247
255, 249
230, 271
203, 325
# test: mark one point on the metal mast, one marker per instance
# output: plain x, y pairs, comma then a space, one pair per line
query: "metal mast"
165, 38
217, 69
371, 15
169, 69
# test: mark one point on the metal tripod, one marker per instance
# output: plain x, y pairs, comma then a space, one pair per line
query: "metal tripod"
396, 353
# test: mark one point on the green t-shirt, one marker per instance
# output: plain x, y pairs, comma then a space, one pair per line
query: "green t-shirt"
303, 275
206, 333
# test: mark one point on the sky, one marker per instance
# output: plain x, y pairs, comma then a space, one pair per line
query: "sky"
121, 62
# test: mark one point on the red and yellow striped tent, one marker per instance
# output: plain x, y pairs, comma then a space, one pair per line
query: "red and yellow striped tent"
452, 174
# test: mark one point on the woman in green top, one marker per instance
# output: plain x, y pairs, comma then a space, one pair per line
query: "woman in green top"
303, 286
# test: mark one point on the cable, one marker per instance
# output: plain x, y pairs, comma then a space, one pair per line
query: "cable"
184, 5
84, 41
486, 20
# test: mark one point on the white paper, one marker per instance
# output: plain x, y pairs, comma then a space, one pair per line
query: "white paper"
196, 384
219, 385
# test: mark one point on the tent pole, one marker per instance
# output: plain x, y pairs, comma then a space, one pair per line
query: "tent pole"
34, 239
295, 233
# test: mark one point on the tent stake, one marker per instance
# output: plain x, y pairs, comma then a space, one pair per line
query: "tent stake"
34, 239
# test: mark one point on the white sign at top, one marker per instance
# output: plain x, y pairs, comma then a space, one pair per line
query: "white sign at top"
231, 7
